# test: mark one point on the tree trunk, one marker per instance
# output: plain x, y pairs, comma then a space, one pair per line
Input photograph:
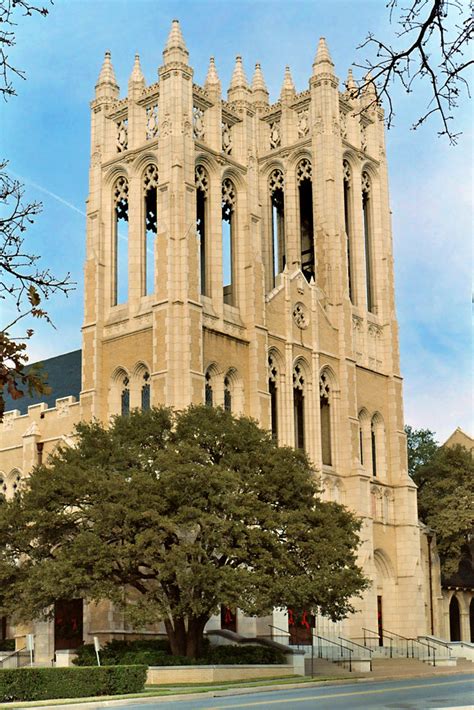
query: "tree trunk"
176, 631
194, 644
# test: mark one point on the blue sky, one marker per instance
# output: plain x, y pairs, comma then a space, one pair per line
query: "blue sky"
45, 135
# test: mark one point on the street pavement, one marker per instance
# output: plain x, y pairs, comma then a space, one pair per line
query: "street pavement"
453, 692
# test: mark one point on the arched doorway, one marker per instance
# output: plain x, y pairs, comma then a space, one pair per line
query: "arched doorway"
471, 619
385, 585
454, 620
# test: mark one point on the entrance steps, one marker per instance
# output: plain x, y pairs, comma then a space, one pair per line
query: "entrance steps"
327, 669
413, 667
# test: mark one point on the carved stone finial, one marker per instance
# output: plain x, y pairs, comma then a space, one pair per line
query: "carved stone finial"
288, 87
258, 82
322, 60
238, 80
175, 49
212, 79
136, 77
107, 83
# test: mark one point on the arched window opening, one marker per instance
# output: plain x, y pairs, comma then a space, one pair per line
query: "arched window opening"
298, 405
209, 394
373, 444
361, 446
125, 398
273, 390
228, 248
120, 243
150, 190
15, 482
305, 194
348, 224
454, 620
145, 392
227, 394
277, 197
471, 619
325, 418
202, 187
366, 210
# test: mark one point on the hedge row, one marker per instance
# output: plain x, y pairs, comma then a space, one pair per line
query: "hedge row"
47, 683
157, 653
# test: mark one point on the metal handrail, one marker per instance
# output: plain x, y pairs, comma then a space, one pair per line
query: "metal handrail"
364, 648
271, 626
10, 654
435, 641
336, 643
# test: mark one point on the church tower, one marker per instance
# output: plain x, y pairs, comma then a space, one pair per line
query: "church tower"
239, 253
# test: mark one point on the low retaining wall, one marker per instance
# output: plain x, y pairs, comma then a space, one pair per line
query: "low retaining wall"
167, 675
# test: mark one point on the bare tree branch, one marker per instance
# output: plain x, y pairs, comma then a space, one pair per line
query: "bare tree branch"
437, 34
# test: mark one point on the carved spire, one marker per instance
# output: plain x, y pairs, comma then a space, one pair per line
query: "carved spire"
350, 82
239, 80
258, 82
288, 88
369, 91
175, 49
212, 79
323, 58
136, 77
107, 83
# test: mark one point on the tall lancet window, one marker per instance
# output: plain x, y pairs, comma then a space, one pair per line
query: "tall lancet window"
305, 195
228, 239
368, 237
325, 418
347, 178
125, 398
145, 392
298, 405
227, 394
150, 190
209, 393
373, 444
273, 390
202, 186
120, 243
277, 197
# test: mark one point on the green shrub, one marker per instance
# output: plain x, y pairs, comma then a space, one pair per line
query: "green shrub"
244, 655
124, 653
7, 645
158, 653
19, 684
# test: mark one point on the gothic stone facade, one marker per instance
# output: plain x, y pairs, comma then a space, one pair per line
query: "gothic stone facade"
240, 253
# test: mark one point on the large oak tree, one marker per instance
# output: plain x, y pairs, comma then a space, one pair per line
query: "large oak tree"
186, 511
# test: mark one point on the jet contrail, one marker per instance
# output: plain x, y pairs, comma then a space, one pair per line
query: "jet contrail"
48, 192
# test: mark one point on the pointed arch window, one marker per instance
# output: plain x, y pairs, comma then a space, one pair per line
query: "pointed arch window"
227, 394
209, 393
368, 238
305, 197
150, 191
228, 239
373, 445
273, 390
125, 398
347, 178
120, 243
325, 396
299, 382
202, 188
277, 198
145, 392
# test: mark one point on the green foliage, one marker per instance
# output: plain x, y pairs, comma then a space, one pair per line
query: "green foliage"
7, 645
421, 446
445, 497
243, 655
189, 510
21, 684
158, 653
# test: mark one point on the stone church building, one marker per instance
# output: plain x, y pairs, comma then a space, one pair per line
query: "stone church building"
239, 253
